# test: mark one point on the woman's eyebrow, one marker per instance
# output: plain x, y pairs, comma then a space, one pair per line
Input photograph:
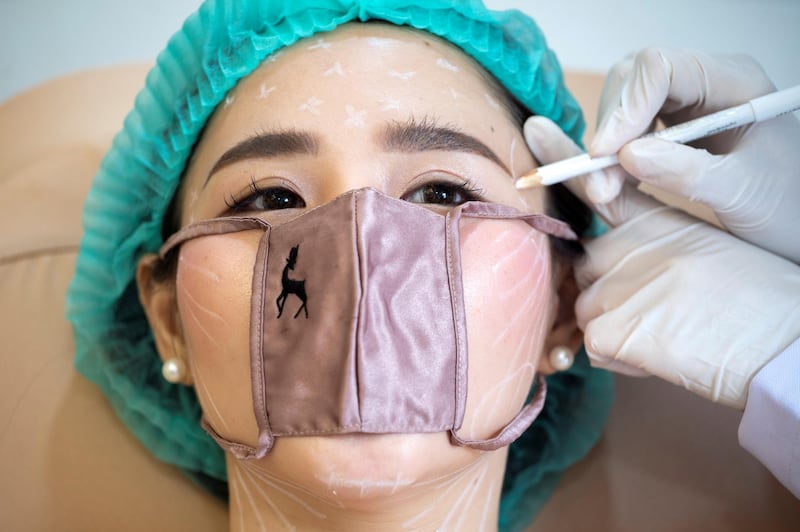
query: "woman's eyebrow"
425, 135
265, 145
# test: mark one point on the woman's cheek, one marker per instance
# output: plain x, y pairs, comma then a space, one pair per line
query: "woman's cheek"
508, 296
214, 284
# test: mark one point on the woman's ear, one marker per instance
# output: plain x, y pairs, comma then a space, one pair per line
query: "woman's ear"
565, 331
160, 307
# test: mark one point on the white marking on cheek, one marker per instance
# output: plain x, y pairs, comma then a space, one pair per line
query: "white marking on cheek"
528, 314
355, 118
390, 104
335, 70
193, 197
205, 272
532, 240
486, 504
494, 398
320, 44
311, 105
264, 91
511, 157
205, 332
272, 483
492, 101
409, 524
461, 503
447, 65
364, 485
280, 515
252, 501
199, 378
443, 488
237, 497
476, 485
405, 76
192, 314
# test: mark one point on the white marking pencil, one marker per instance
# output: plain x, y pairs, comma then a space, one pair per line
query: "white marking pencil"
757, 110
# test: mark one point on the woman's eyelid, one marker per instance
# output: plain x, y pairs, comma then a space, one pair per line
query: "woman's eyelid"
246, 198
443, 177
258, 185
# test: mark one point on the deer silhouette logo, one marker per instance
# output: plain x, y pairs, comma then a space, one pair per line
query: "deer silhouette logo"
292, 286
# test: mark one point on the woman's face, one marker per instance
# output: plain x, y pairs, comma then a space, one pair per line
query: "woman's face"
326, 108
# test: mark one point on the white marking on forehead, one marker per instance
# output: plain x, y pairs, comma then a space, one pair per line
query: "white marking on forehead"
379, 42
229, 99
264, 91
390, 104
311, 106
447, 65
320, 44
355, 118
336, 69
455, 94
274, 57
491, 101
405, 76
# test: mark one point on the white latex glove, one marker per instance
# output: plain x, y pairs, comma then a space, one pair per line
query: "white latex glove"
666, 294
749, 176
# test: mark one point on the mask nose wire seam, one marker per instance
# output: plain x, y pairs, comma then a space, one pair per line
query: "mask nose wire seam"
257, 365
451, 222
361, 269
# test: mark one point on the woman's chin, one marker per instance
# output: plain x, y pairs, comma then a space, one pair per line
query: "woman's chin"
351, 469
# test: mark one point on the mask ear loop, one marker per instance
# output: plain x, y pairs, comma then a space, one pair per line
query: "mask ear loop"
526, 416
514, 428
221, 226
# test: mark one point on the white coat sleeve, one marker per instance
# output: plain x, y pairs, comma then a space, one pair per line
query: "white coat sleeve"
770, 427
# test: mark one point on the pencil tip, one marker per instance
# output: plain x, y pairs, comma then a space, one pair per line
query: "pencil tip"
528, 181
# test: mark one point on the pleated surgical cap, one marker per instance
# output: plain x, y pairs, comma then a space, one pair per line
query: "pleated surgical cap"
217, 46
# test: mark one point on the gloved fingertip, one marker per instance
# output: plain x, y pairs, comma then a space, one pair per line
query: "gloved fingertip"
647, 157
602, 187
547, 141
615, 366
537, 128
595, 360
605, 141
599, 145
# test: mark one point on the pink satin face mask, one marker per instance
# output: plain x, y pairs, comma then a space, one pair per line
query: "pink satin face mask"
357, 320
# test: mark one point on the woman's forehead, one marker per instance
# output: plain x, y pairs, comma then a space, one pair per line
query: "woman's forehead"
358, 75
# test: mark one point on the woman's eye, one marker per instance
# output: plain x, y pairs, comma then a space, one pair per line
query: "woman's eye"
442, 194
267, 199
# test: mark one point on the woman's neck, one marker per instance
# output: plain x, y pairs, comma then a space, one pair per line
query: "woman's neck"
465, 500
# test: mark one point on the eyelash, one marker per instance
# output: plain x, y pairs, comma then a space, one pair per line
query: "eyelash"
246, 202
466, 189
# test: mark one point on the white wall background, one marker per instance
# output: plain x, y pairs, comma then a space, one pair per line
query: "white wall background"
40, 39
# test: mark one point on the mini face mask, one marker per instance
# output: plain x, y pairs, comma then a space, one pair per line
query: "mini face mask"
357, 320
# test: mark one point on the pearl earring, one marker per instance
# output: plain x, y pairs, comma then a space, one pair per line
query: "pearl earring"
173, 370
561, 358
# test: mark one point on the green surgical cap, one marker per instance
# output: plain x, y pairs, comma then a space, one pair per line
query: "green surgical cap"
219, 45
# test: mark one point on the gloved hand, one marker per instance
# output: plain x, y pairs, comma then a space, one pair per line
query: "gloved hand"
666, 294
749, 176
